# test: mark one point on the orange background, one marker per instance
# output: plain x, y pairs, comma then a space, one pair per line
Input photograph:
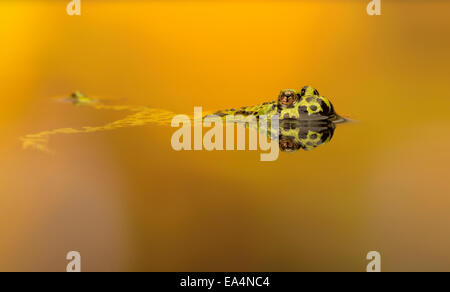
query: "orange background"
128, 202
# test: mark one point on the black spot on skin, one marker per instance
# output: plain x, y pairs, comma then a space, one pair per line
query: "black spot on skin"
303, 92
255, 113
313, 108
326, 109
325, 136
309, 99
309, 144
316, 92
313, 136
302, 135
302, 110
332, 112
279, 108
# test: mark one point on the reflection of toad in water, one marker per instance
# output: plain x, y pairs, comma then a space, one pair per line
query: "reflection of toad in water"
306, 135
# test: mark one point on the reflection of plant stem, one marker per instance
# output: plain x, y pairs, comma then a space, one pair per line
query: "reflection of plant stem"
142, 116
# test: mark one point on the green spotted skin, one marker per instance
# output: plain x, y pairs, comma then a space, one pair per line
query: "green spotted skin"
269, 109
306, 135
308, 105
297, 135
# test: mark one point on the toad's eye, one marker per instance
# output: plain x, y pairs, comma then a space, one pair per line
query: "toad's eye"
287, 97
287, 144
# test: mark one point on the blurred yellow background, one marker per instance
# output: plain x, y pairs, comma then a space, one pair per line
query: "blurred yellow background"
128, 202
